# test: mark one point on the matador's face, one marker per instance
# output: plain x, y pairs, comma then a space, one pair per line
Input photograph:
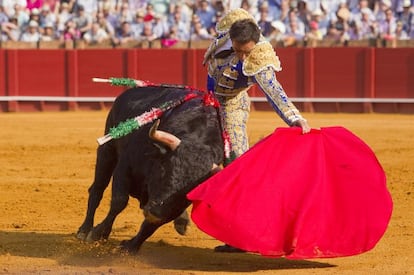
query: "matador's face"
243, 50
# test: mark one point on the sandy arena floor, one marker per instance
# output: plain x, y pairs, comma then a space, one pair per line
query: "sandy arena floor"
47, 164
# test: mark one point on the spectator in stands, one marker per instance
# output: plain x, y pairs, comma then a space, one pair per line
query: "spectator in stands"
397, 7
10, 6
264, 22
232, 4
330, 8
335, 35
274, 9
212, 29
23, 17
135, 5
363, 6
245, 4
277, 34
90, 7
137, 25
95, 34
125, 14
384, 5
46, 16
34, 16
171, 39
352, 31
160, 26
304, 14
388, 26
219, 6
293, 35
299, 26
342, 23
147, 33
54, 5
110, 15
407, 17
354, 5
284, 10
312, 5
49, 33
185, 10
182, 30
319, 17
32, 33
3, 16
400, 33
71, 32
10, 31
314, 35
367, 28
62, 16
123, 34
31, 4
264, 9
206, 13
82, 20
200, 32
104, 24
159, 6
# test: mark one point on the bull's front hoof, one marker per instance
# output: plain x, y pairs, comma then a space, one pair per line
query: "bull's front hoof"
180, 225
96, 235
128, 247
82, 235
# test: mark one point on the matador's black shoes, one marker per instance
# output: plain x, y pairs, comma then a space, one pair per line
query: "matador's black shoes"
228, 249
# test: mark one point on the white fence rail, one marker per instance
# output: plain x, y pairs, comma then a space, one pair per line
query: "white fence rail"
253, 99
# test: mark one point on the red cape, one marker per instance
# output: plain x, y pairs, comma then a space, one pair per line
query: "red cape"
317, 195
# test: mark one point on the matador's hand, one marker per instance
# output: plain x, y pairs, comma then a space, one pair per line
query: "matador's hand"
302, 123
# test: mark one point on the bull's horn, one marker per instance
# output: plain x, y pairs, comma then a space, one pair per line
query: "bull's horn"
166, 138
216, 168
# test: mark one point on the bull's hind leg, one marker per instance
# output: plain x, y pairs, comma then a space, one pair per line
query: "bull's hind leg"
105, 164
119, 200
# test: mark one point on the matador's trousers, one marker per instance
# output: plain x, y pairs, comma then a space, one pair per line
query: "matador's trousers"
236, 113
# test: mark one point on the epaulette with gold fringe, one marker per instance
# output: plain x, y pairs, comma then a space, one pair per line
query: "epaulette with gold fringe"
261, 57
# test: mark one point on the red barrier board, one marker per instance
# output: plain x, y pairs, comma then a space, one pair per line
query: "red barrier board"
339, 72
343, 73
2, 73
36, 73
101, 63
161, 66
293, 71
394, 73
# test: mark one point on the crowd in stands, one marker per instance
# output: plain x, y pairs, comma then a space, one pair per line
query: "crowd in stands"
284, 22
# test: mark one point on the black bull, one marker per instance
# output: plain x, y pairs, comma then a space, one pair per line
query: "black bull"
148, 170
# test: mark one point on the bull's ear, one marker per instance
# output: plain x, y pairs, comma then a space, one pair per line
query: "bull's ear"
163, 137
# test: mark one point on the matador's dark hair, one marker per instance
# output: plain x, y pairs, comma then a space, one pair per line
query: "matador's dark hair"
244, 31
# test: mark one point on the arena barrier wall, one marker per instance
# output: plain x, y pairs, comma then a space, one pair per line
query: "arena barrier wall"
316, 79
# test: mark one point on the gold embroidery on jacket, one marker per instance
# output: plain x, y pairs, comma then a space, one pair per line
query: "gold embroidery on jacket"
262, 56
231, 17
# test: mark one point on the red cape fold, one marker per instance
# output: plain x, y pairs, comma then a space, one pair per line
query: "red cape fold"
317, 195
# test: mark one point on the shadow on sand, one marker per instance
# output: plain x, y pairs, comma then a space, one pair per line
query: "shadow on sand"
67, 250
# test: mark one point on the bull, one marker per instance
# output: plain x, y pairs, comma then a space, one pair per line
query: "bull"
158, 164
